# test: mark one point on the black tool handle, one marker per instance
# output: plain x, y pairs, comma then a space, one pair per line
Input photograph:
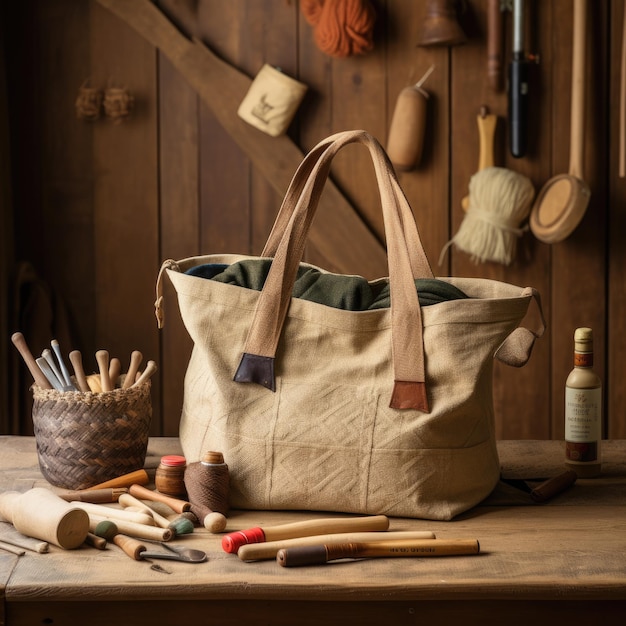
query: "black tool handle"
518, 105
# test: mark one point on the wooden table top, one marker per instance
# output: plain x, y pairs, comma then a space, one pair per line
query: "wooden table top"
573, 547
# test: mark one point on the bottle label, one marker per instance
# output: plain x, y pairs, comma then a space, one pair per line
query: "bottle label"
583, 424
583, 359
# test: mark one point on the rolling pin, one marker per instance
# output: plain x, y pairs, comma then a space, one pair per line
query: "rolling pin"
41, 514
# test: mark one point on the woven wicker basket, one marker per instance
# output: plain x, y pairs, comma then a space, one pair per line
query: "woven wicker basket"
84, 439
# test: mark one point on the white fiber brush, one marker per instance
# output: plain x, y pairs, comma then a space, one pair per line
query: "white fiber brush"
499, 201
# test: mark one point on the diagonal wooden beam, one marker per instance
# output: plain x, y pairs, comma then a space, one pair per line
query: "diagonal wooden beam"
338, 233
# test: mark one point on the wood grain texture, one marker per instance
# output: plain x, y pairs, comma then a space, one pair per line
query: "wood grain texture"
125, 195
173, 183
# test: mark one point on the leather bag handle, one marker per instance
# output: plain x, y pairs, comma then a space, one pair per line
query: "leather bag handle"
419, 261
294, 220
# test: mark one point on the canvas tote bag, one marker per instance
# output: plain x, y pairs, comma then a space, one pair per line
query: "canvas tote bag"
385, 411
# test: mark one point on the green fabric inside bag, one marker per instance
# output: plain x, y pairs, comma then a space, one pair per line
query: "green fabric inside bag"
351, 293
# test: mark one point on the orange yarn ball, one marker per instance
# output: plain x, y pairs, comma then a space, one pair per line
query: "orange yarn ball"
341, 27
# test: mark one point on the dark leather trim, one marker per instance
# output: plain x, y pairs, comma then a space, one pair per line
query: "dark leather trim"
409, 395
256, 369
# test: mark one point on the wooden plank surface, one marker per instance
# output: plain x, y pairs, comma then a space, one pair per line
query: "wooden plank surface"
125, 198
569, 550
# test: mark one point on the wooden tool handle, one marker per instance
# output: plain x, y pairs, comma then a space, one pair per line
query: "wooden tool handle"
140, 531
97, 496
494, 44
151, 368
135, 361
77, 363
324, 526
486, 133
127, 500
487, 123
95, 542
115, 368
314, 555
212, 520
131, 546
577, 121
20, 343
269, 549
147, 494
102, 357
115, 514
138, 477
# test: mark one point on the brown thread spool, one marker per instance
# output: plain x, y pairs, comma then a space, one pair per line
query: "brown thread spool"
208, 482
170, 475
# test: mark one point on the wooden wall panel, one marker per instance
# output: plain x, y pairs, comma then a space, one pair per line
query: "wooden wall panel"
173, 183
615, 346
125, 165
179, 224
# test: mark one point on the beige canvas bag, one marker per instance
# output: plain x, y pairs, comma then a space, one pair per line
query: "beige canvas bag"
385, 411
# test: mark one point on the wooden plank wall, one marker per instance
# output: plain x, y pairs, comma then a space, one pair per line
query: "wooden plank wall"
112, 201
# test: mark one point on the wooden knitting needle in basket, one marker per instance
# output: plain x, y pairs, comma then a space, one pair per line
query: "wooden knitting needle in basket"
135, 361
20, 343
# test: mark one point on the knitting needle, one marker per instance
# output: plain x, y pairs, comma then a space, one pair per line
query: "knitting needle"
77, 362
135, 360
39, 377
151, 368
47, 354
57, 351
102, 357
317, 555
49, 374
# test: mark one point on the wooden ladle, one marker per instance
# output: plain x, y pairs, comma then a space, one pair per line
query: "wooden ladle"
563, 200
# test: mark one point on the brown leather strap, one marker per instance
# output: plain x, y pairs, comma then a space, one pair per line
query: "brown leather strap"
406, 257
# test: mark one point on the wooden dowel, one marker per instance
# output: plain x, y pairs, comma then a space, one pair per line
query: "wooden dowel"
101, 510
140, 531
135, 361
76, 360
316, 555
179, 506
138, 477
269, 549
96, 496
102, 358
20, 343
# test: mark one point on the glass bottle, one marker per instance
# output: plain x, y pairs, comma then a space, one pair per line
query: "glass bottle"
583, 410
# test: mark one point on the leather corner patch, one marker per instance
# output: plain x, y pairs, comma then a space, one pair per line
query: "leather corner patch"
256, 369
409, 395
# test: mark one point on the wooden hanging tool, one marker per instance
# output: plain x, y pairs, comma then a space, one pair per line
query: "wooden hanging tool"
494, 44
487, 123
563, 200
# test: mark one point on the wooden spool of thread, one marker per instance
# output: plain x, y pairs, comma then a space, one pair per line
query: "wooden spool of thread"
208, 482
170, 475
